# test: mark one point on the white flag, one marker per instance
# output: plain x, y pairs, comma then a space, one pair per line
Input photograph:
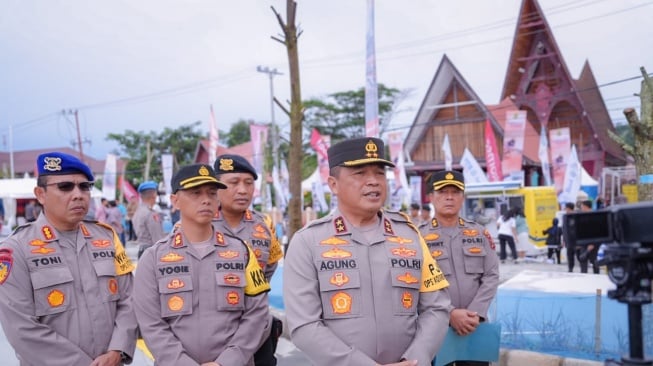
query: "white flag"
472, 170
109, 178
279, 196
572, 179
213, 138
166, 168
446, 148
543, 154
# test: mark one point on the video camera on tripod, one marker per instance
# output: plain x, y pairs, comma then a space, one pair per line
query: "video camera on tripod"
627, 230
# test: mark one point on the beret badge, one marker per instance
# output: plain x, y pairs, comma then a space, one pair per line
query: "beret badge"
52, 164
226, 164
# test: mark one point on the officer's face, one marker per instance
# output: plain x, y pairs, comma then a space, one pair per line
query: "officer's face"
196, 205
447, 201
238, 195
65, 209
361, 190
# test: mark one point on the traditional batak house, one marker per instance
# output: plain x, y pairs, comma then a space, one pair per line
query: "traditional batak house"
538, 82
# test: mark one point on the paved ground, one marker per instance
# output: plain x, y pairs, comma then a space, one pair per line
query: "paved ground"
288, 354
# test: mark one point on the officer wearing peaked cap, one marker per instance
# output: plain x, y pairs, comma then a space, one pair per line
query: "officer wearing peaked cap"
464, 251
200, 296
146, 221
236, 218
360, 287
66, 283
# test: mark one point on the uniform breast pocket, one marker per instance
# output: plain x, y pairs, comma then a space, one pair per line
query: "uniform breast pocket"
442, 257
176, 295
107, 282
341, 294
405, 291
53, 291
474, 259
230, 291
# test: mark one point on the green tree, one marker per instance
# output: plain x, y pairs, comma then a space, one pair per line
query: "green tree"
181, 142
626, 133
238, 133
342, 114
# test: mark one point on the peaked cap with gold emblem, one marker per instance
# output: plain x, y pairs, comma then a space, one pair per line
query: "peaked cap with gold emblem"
195, 175
358, 151
443, 178
232, 163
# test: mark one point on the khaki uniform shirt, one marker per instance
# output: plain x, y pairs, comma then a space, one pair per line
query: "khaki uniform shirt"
147, 225
63, 303
469, 261
355, 298
194, 309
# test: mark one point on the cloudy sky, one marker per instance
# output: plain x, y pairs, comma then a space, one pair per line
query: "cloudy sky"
148, 64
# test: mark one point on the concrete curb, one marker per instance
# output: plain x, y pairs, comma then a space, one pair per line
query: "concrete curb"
507, 357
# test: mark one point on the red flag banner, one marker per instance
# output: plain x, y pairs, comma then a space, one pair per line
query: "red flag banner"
492, 161
128, 190
513, 144
321, 144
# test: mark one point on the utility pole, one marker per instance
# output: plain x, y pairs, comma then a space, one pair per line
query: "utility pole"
79, 134
275, 136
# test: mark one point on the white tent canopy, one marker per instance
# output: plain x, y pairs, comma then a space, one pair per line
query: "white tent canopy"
586, 179
23, 188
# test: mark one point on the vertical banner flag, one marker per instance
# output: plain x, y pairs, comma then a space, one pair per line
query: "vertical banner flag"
319, 201
259, 135
213, 138
572, 180
109, 178
560, 141
371, 90
280, 200
416, 188
321, 144
285, 179
472, 170
543, 154
513, 145
127, 189
400, 191
166, 168
446, 149
492, 162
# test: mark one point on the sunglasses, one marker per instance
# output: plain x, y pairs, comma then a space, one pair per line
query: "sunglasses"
69, 186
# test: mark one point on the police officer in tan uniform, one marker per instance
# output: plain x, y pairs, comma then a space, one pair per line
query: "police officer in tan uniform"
360, 287
66, 283
465, 253
147, 222
200, 296
236, 218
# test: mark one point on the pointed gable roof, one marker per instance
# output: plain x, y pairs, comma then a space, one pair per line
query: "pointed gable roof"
532, 28
595, 106
531, 136
439, 96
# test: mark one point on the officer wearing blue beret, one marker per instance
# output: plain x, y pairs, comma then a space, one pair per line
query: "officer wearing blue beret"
236, 218
360, 286
147, 222
66, 283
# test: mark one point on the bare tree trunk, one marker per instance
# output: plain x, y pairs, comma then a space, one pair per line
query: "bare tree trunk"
296, 117
642, 151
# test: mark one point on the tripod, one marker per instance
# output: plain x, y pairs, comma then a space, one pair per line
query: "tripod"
636, 357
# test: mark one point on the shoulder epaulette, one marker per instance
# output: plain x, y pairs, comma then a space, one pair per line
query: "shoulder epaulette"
21, 227
320, 221
397, 216
102, 224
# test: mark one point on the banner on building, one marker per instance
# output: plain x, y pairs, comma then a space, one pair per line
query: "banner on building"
109, 178
371, 89
513, 145
543, 154
213, 137
492, 162
320, 144
472, 170
560, 141
259, 135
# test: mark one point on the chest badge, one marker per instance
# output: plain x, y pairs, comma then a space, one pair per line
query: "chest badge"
113, 286
475, 250
407, 278
43, 250
228, 254
101, 243
334, 241
431, 236
233, 298
470, 232
336, 253
172, 257
175, 303
436, 253
399, 240
341, 303
403, 252
407, 300
175, 283
56, 298
339, 279
260, 232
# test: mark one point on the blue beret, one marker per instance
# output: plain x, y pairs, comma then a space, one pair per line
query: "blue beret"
58, 163
231, 163
147, 185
